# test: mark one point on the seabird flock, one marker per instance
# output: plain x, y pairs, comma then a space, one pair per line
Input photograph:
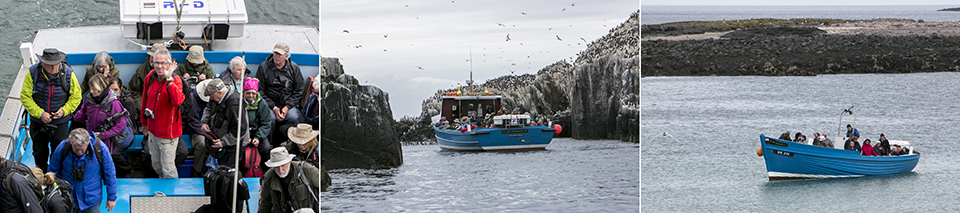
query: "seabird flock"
508, 39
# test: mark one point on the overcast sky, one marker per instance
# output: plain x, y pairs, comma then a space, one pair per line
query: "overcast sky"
806, 2
390, 41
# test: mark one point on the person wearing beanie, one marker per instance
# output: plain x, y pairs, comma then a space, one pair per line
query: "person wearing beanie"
197, 66
260, 118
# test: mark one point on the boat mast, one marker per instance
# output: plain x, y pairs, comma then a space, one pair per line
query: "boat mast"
470, 82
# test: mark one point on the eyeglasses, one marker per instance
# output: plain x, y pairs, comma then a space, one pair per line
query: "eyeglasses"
161, 63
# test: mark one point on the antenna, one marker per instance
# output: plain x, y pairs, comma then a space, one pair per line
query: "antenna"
470, 82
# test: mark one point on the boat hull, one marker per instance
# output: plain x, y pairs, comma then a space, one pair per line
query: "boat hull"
495, 139
789, 160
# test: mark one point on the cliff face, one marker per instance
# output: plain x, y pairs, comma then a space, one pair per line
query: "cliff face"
603, 80
357, 123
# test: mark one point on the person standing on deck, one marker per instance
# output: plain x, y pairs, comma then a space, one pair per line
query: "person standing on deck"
86, 172
50, 93
852, 132
280, 83
220, 118
161, 116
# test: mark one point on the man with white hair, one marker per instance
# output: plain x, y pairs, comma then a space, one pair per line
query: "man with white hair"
288, 179
231, 76
84, 167
220, 120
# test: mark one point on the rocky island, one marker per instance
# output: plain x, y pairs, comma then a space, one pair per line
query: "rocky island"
594, 97
799, 47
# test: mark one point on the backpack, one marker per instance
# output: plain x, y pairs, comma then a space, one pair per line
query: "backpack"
8, 167
316, 201
218, 184
59, 197
251, 160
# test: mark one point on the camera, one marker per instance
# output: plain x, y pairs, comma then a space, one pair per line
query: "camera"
147, 113
78, 172
48, 128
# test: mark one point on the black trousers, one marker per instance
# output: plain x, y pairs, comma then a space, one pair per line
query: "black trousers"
46, 139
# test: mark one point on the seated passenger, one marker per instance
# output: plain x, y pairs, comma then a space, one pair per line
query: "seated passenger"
102, 64
884, 145
852, 144
816, 139
867, 149
196, 66
785, 136
826, 141
799, 138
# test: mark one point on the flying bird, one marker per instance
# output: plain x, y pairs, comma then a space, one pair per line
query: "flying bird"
384, 35
345, 31
358, 46
584, 40
513, 64
511, 71
498, 23
418, 67
564, 9
406, 5
523, 13
521, 43
384, 50
549, 29
572, 4
558, 38
508, 36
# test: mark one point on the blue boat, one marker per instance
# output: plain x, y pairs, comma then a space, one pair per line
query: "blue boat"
509, 132
791, 160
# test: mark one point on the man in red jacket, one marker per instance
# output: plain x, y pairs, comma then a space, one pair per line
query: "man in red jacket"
161, 117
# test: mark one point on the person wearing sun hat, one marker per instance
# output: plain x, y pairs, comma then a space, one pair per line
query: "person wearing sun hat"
196, 66
289, 184
260, 118
135, 84
304, 145
50, 93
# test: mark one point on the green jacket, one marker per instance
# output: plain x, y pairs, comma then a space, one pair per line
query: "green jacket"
272, 196
261, 118
188, 68
135, 85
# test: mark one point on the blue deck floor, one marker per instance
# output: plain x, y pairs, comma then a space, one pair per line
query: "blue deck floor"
139, 187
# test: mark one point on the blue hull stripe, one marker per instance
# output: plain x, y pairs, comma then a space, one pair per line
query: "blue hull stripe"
802, 159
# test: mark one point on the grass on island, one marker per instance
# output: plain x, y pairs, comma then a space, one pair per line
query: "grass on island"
699, 27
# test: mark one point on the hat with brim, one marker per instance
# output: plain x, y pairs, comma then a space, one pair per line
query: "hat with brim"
52, 56
156, 47
278, 157
201, 88
195, 55
302, 133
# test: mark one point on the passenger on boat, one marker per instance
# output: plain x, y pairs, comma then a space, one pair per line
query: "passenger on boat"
102, 64
220, 118
16, 190
126, 99
304, 145
260, 118
193, 128
57, 193
50, 93
90, 176
161, 116
280, 83
826, 141
100, 104
231, 75
852, 144
817, 140
884, 145
196, 66
852, 132
799, 138
785, 136
288, 184
140, 76
868, 149
311, 106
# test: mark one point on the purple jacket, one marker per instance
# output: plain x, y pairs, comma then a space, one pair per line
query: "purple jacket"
94, 114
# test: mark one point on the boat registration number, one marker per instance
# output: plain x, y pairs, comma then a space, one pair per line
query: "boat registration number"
789, 154
513, 131
516, 135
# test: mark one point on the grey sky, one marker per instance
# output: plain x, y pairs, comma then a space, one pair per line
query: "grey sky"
437, 36
807, 2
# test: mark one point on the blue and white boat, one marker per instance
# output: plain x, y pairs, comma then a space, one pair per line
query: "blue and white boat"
792, 160
220, 26
509, 133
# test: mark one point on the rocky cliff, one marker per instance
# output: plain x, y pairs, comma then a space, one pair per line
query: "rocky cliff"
357, 123
604, 80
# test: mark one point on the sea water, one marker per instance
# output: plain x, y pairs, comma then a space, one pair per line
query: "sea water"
663, 14
569, 176
699, 138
